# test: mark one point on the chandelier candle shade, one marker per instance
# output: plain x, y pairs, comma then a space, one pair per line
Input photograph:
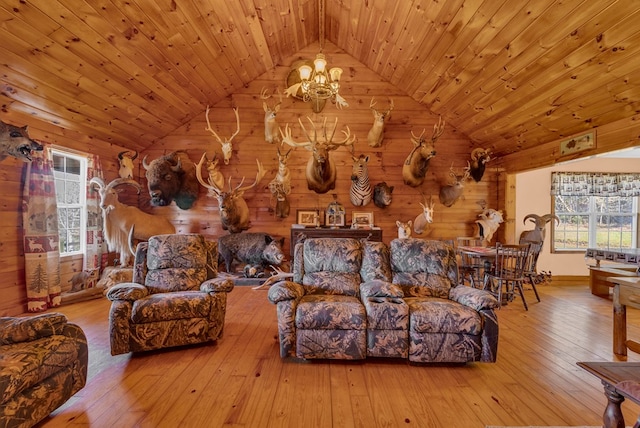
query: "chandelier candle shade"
317, 83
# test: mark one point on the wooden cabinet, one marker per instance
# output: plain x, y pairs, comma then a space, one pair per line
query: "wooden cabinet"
625, 263
327, 232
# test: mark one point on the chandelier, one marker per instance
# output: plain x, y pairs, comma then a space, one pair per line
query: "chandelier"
318, 84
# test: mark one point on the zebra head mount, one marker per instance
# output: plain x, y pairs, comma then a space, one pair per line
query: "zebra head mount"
360, 193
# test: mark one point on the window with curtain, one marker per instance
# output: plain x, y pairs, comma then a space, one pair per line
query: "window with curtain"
596, 210
69, 172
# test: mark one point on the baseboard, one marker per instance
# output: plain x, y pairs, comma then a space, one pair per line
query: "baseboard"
571, 279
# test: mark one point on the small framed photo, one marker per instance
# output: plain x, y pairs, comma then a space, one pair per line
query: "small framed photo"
362, 219
335, 220
308, 217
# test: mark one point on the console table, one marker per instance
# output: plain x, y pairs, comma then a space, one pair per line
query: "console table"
626, 263
374, 234
626, 292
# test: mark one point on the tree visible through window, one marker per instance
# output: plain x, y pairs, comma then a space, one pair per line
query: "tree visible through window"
607, 222
70, 177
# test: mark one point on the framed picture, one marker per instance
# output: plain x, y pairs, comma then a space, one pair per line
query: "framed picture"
335, 220
362, 219
308, 217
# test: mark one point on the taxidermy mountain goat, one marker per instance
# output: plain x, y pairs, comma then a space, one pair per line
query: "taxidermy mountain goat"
321, 172
416, 165
121, 220
172, 177
15, 142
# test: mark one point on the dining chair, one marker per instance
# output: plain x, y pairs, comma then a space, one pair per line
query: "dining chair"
470, 268
530, 269
507, 273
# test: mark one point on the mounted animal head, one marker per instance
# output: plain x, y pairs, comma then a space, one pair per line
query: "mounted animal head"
488, 223
376, 133
172, 177
125, 159
451, 192
540, 222
108, 193
234, 212
227, 148
16, 142
416, 165
321, 173
404, 229
279, 193
479, 159
425, 217
215, 175
382, 194
271, 134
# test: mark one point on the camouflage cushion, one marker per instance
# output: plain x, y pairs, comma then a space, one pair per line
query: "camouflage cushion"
330, 312
171, 306
332, 266
435, 315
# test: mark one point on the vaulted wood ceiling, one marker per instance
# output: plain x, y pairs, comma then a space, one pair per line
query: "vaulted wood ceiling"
509, 74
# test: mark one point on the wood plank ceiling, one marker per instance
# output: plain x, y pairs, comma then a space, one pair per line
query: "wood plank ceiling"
509, 74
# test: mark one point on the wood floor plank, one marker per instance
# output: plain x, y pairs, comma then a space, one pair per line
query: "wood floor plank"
241, 381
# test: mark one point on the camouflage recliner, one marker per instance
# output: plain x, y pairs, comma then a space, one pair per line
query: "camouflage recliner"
43, 362
175, 298
350, 299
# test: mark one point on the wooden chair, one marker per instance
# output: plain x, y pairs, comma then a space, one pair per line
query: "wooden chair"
470, 268
507, 273
531, 270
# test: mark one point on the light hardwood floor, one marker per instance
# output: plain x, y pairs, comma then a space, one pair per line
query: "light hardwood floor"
241, 381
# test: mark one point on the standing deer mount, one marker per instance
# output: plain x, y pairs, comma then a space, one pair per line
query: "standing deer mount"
280, 186
376, 133
234, 212
451, 192
216, 179
321, 172
271, 134
227, 148
416, 165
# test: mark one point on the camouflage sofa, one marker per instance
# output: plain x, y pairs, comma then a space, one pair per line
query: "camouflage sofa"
43, 362
175, 298
351, 299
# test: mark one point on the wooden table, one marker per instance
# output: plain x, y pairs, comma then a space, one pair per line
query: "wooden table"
611, 374
626, 292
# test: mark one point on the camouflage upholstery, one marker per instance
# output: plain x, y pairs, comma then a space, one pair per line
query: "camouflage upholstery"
401, 298
175, 298
43, 362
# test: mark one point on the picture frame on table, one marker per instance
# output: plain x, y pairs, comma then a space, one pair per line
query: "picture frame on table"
362, 219
308, 218
335, 220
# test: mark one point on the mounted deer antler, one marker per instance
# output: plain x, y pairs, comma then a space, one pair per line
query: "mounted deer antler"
376, 133
416, 165
226, 144
271, 134
321, 172
450, 193
234, 212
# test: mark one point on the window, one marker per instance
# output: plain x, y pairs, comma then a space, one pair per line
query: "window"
69, 172
607, 222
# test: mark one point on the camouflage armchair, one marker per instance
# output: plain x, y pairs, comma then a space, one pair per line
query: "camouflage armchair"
175, 298
447, 322
320, 314
43, 362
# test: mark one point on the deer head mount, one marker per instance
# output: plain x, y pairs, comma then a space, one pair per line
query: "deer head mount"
280, 186
416, 165
451, 192
227, 148
271, 134
321, 172
376, 133
234, 212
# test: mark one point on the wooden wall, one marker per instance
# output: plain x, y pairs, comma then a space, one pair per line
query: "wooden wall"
359, 85
385, 164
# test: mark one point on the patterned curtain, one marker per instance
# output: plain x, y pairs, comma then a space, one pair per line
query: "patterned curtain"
96, 255
40, 228
595, 184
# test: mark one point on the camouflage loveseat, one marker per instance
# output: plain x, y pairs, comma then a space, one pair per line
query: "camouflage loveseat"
43, 362
351, 299
175, 298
